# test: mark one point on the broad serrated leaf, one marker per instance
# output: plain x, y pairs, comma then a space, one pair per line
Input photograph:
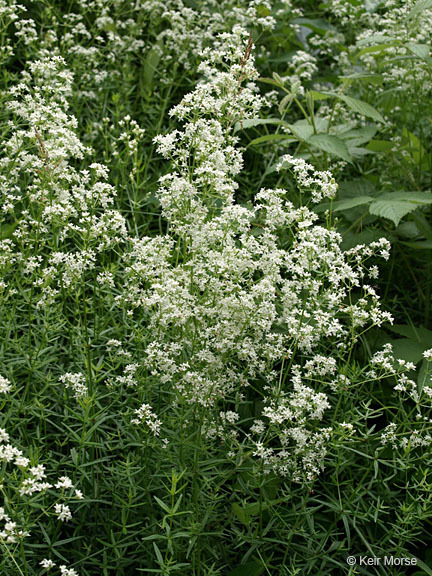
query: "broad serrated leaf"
348, 203
416, 197
331, 144
416, 333
420, 50
420, 7
301, 131
394, 206
362, 107
359, 136
392, 210
408, 350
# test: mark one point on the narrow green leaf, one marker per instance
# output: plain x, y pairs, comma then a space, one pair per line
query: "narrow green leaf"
252, 122
253, 568
420, 245
376, 39
271, 138
316, 24
377, 48
373, 78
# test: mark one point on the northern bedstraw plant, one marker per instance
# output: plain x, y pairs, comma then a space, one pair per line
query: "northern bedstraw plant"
204, 386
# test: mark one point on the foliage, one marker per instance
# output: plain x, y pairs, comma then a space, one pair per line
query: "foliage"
215, 294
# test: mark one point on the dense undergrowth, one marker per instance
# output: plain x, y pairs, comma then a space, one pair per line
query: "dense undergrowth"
216, 335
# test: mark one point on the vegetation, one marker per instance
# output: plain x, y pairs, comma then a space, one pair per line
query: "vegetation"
216, 332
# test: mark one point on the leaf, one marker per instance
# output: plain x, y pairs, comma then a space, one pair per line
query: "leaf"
360, 136
344, 204
424, 377
358, 152
362, 107
351, 203
331, 144
420, 7
270, 138
380, 146
423, 225
158, 554
392, 210
316, 24
284, 103
241, 514
357, 105
416, 197
373, 78
376, 39
301, 131
379, 48
420, 245
252, 122
420, 50
355, 188
150, 66
396, 205
254, 568
319, 95
416, 333
408, 350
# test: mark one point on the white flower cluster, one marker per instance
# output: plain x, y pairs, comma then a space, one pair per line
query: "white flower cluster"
32, 481
5, 385
47, 564
55, 204
188, 31
319, 184
230, 292
386, 44
75, 381
145, 414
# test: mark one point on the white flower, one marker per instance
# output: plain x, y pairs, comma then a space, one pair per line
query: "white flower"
63, 512
64, 482
5, 385
47, 564
427, 354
